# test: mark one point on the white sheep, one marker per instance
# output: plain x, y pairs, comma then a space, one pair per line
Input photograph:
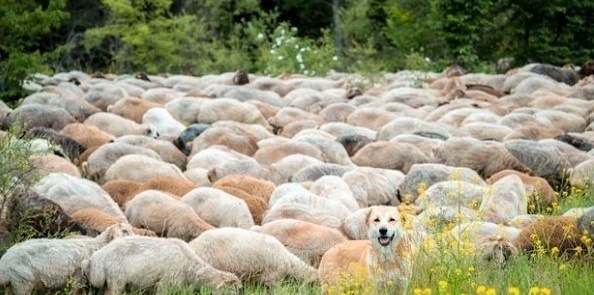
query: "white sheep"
141, 168
251, 256
163, 122
49, 263
119, 126
219, 208
73, 193
142, 262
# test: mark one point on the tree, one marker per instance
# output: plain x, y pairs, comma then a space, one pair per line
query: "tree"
23, 24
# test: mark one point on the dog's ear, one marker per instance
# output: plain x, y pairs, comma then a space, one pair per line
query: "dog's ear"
355, 225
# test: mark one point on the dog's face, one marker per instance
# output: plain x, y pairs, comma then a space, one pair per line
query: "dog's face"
384, 225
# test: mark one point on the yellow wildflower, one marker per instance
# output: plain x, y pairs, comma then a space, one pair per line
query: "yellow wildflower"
513, 291
443, 285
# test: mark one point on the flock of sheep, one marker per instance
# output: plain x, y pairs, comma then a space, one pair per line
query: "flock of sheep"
223, 179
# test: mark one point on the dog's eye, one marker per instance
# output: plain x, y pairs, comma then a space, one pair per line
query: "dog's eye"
392, 220
376, 220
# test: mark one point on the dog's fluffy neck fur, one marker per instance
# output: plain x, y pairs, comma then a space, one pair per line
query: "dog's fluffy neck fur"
391, 263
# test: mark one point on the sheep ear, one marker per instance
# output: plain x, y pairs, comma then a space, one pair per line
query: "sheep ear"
355, 225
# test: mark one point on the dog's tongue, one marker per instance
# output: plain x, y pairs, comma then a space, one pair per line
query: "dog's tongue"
384, 241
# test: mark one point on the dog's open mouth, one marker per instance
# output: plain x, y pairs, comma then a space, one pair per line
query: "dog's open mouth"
385, 240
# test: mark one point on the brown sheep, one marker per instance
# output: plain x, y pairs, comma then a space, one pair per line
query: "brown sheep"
254, 186
168, 184
165, 216
306, 240
96, 221
561, 232
87, 136
132, 108
48, 163
257, 206
122, 190
541, 194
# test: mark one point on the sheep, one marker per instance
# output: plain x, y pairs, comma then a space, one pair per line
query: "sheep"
302, 196
582, 175
132, 108
374, 186
452, 193
47, 264
422, 176
231, 137
573, 155
249, 167
104, 94
165, 148
230, 109
567, 76
339, 129
370, 117
122, 190
214, 156
335, 188
290, 165
540, 193
141, 168
308, 241
484, 157
301, 212
168, 184
353, 143
40, 115
119, 126
256, 205
505, 199
136, 263
184, 140
78, 108
165, 215
288, 115
569, 234
87, 136
246, 94
314, 171
239, 251
336, 112
254, 186
71, 148
94, 222
106, 155
334, 151
45, 164
544, 161
389, 155
219, 208
163, 122
271, 154
26, 209
404, 125
73, 194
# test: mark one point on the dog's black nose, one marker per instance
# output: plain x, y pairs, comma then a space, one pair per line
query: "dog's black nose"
383, 231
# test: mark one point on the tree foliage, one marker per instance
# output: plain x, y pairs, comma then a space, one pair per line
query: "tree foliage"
23, 25
202, 36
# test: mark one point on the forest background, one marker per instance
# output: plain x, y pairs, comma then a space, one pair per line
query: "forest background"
272, 37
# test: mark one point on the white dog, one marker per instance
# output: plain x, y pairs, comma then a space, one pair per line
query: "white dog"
386, 257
